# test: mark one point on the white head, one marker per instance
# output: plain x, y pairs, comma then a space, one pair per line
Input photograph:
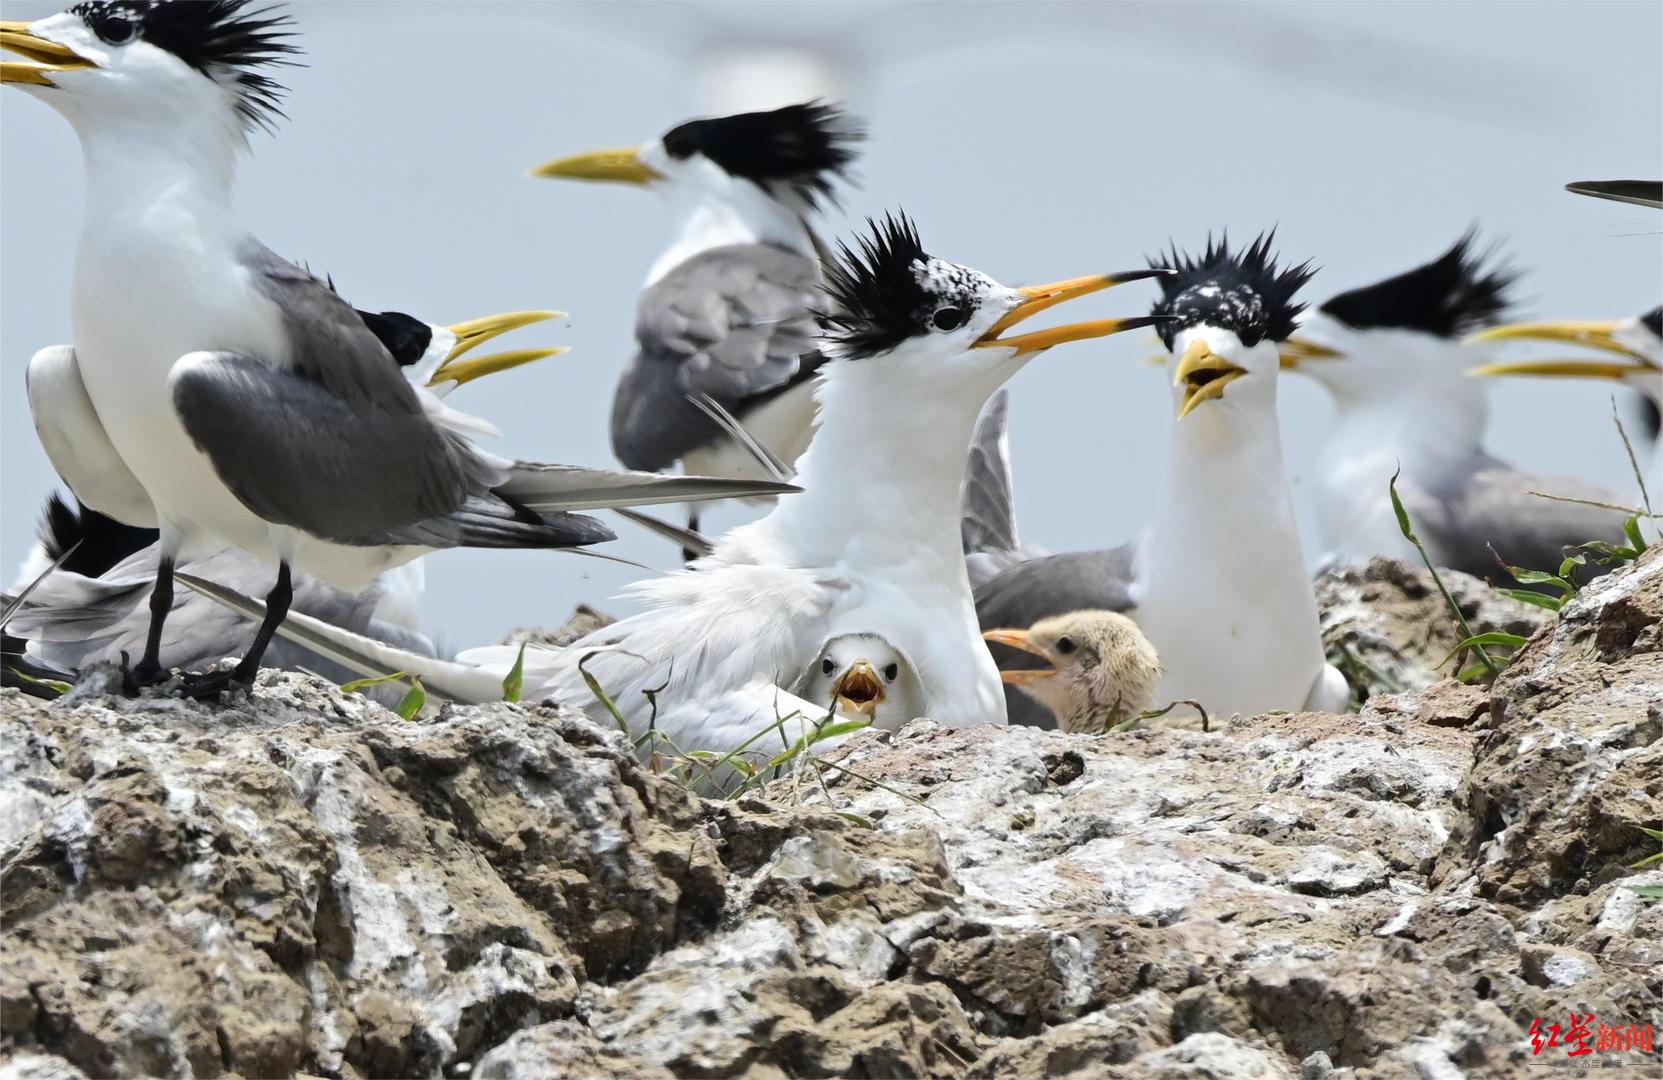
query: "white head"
1101, 668
863, 675
175, 73
1228, 311
1399, 341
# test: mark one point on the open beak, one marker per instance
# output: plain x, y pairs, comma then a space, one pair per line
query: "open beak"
1203, 374
1295, 351
619, 166
1019, 639
1036, 298
1595, 335
47, 56
476, 332
860, 690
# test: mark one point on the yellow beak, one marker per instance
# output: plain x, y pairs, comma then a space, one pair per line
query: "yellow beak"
1595, 335
1204, 375
476, 332
1020, 639
860, 690
1295, 351
1037, 298
1583, 369
49, 56
619, 166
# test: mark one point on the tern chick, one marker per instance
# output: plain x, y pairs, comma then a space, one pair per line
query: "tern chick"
864, 676
1103, 670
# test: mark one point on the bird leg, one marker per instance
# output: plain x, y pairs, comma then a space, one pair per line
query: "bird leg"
150, 670
241, 677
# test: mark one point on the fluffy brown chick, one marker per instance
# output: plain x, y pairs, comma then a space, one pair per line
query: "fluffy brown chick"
1103, 670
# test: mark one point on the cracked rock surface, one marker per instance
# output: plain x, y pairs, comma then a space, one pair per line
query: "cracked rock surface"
302, 883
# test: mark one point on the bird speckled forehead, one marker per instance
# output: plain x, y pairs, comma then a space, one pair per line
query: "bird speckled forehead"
944, 283
1234, 307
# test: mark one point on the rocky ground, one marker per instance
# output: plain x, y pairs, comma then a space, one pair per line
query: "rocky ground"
305, 883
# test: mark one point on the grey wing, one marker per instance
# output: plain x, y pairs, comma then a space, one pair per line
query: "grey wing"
76, 442
1491, 509
297, 454
1050, 585
988, 515
733, 322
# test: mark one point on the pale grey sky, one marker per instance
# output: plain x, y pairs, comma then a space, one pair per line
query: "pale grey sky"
1371, 134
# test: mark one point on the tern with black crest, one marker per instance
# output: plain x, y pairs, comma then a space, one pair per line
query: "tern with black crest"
1218, 581
237, 400
727, 309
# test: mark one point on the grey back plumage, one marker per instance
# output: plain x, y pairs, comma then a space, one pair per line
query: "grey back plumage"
333, 440
733, 322
988, 516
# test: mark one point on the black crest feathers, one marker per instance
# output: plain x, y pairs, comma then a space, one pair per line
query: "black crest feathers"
1451, 296
875, 292
805, 147
227, 40
1244, 292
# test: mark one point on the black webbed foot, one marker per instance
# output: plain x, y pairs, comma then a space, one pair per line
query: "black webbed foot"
148, 673
208, 686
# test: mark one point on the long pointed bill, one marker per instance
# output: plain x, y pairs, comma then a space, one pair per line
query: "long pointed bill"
1295, 351
1595, 335
48, 56
1019, 639
1038, 298
1639, 192
1576, 369
623, 166
1203, 374
476, 332
466, 371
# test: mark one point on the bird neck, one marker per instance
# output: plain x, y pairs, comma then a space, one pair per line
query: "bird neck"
731, 212
154, 179
1422, 424
881, 477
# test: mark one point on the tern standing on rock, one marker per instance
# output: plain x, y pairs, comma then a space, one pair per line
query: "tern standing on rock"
248, 403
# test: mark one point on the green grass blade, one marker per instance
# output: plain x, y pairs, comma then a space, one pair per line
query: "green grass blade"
357, 686
413, 701
514, 682
1455, 609
1541, 600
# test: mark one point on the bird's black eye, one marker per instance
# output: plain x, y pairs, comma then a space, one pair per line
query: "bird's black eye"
1065, 645
947, 318
891, 670
826, 666
117, 30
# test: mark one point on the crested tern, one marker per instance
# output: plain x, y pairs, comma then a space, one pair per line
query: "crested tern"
726, 309
1100, 668
1217, 581
1392, 356
915, 346
235, 399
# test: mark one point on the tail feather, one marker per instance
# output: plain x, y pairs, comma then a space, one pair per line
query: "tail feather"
546, 488
988, 522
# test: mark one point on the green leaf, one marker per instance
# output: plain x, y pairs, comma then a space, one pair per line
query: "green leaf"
1402, 515
1631, 529
1541, 577
514, 681
1498, 638
51, 684
1541, 600
1655, 834
1650, 892
1472, 673
358, 686
601, 695
1570, 563
413, 701
1647, 861
840, 727
865, 823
